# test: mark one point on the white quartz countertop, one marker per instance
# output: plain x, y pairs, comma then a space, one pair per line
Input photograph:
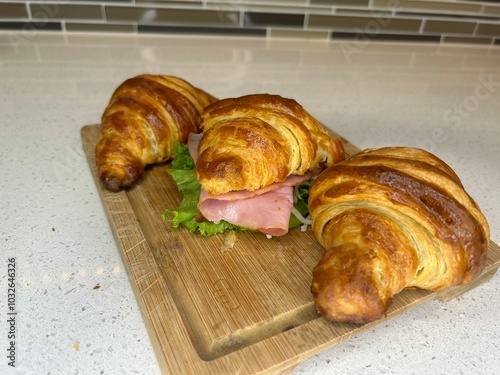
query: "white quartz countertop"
445, 99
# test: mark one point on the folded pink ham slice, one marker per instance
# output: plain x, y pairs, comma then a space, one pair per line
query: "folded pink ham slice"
267, 210
268, 213
193, 140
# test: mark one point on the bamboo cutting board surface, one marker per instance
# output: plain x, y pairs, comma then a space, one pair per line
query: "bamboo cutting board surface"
213, 309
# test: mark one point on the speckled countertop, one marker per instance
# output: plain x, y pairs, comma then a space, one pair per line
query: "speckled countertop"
445, 99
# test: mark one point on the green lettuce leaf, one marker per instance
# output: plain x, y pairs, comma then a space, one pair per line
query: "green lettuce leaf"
182, 171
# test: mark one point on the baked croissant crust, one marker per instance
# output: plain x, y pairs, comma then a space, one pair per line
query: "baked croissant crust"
253, 141
390, 219
145, 118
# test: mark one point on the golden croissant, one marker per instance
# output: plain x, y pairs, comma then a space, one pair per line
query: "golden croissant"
391, 219
145, 118
253, 141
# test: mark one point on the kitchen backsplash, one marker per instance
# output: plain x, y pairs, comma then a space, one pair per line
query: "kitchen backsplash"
357, 20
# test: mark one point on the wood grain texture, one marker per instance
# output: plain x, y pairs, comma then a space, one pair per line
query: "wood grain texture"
245, 310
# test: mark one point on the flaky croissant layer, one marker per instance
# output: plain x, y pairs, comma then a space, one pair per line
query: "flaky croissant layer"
391, 219
255, 140
146, 116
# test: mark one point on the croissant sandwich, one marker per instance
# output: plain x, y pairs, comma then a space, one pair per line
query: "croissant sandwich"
251, 153
256, 140
391, 219
144, 120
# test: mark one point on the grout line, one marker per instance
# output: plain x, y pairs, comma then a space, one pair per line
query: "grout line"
422, 26
28, 8
103, 13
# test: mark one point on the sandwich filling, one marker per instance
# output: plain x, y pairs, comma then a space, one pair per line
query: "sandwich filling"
272, 210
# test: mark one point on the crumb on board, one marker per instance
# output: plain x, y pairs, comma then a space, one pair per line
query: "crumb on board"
53, 229
97, 286
76, 345
229, 241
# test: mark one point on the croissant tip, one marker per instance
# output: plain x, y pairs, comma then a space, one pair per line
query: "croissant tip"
112, 184
117, 178
115, 184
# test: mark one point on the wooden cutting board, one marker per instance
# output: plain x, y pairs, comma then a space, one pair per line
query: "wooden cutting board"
213, 309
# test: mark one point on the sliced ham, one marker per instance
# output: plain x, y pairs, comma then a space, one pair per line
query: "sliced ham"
245, 194
268, 213
193, 140
267, 209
